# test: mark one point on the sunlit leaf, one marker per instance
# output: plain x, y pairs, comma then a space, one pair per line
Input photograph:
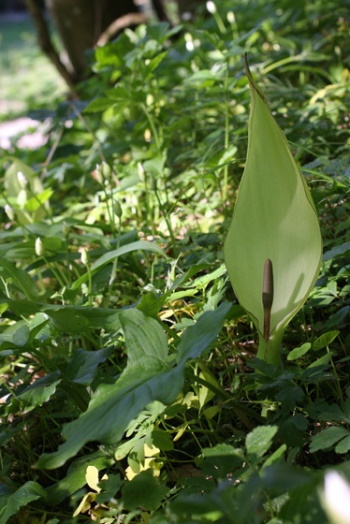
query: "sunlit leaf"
274, 218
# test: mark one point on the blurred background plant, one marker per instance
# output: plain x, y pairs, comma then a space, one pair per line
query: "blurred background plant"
126, 206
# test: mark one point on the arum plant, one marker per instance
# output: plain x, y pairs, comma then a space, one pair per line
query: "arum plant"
273, 247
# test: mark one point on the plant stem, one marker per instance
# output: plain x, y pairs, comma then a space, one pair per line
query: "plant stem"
269, 351
224, 192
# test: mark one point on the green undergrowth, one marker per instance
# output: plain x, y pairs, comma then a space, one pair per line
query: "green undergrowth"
130, 390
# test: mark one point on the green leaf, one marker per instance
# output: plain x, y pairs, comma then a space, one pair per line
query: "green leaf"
36, 202
327, 438
75, 478
324, 340
109, 488
220, 460
199, 337
151, 304
98, 105
299, 352
16, 335
277, 456
144, 491
274, 218
82, 368
259, 441
139, 245
96, 318
112, 408
20, 279
337, 318
145, 340
146, 378
336, 251
343, 446
322, 361
10, 504
40, 391
160, 439
68, 320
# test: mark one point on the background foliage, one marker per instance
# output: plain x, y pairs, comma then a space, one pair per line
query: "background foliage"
129, 388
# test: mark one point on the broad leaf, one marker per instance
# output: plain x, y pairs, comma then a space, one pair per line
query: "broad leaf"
259, 440
11, 503
75, 478
145, 340
82, 368
20, 279
144, 491
327, 438
16, 335
40, 391
220, 460
146, 378
274, 218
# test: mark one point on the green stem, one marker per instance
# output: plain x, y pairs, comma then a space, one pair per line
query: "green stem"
90, 301
270, 350
166, 218
224, 195
152, 126
335, 375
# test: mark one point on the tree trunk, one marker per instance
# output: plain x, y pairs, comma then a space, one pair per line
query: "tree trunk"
81, 22
46, 44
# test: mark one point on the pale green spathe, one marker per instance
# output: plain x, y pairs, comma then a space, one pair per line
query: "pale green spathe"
274, 217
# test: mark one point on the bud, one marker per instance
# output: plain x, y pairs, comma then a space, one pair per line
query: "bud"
84, 257
39, 247
154, 184
149, 99
9, 212
22, 179
231, 17
211, 7
117, 208
147, 135
140, 170
105, 170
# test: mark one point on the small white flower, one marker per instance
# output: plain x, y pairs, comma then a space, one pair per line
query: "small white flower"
9, 211
336, 497
39, 247
140, 170
211, 7
84, 257
231, 17
22, 179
